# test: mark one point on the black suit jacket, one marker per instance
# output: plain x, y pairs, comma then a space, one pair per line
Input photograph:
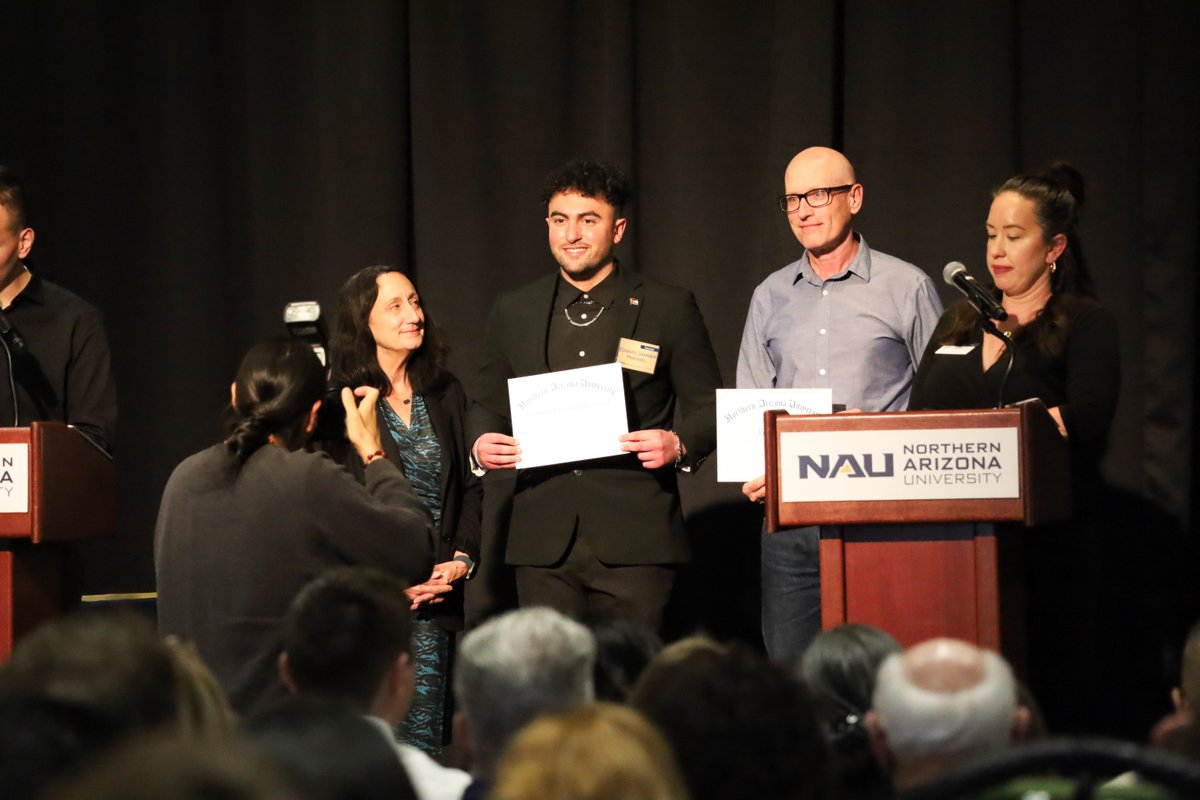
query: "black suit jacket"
629, 514
462, 491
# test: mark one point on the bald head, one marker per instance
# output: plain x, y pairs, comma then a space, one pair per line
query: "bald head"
944, 666
817, 167
826, 230
945, 698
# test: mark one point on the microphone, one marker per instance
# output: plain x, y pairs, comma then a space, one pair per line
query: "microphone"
957, 276
11, 336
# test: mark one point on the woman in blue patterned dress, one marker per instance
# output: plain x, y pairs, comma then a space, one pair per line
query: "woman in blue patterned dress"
383, 337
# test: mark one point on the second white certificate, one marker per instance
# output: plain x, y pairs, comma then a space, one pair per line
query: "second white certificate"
740, 453
571, 415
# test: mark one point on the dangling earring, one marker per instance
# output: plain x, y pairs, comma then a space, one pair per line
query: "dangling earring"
1053, 266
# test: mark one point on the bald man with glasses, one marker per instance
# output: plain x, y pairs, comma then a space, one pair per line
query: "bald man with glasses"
844, 317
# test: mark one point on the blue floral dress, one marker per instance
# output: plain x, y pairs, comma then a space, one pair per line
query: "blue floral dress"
421, 457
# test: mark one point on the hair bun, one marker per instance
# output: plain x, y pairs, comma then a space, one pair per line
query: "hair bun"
249, 434
1065, 175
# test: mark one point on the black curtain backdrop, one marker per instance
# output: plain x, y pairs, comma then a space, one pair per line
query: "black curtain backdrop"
196, 164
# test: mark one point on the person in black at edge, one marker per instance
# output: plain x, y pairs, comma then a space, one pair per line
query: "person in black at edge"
1064, 350
55, 364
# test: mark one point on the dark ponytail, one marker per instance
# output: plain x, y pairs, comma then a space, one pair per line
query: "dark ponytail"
276, 386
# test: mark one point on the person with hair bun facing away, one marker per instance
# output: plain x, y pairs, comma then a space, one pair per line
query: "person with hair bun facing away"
246, 523
1062, 348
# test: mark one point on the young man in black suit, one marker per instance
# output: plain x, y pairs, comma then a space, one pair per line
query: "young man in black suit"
602, 536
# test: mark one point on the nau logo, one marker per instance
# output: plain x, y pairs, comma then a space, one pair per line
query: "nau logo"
849, 465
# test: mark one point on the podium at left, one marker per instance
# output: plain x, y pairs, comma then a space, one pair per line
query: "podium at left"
55, 486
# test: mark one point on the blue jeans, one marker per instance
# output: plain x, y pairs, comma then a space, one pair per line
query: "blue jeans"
791, 591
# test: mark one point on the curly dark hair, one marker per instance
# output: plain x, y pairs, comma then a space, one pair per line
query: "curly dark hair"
352, 347
1057, 194
591, 179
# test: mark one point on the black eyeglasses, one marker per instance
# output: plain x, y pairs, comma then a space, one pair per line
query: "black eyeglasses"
814, 197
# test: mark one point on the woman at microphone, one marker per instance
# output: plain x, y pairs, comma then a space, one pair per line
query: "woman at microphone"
1060, 345
383, 338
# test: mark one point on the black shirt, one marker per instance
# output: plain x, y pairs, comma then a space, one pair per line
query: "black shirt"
67, 373
583, 327
1083, 383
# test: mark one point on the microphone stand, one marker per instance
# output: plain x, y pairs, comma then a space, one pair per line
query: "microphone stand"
989, 326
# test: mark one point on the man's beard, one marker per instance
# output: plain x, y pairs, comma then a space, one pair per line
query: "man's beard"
583, 271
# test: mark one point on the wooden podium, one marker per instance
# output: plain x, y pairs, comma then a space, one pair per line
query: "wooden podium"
55, 486
907, 504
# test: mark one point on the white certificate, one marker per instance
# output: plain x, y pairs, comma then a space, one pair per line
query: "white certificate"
740, 452
571, 415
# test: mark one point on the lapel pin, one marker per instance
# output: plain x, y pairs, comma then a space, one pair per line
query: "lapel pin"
633, 301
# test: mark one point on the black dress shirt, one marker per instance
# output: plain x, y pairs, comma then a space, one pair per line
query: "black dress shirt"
67, 373
583, 327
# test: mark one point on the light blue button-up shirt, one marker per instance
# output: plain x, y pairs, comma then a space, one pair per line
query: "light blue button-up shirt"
860, 333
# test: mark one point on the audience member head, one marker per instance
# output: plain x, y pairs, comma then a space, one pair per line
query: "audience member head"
112, 663
514, 668
839, 668
938, 703
598, 180
1056, 195
204, 712
44, 741
354, 346
348, 637
623, 649
680, 649
329, 751
158, 769
739, 726
598, 751
276, 394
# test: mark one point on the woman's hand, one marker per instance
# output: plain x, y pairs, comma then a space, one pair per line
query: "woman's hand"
362, 428
440, 583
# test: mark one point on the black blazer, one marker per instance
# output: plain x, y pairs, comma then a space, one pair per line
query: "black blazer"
629, 514
462, 491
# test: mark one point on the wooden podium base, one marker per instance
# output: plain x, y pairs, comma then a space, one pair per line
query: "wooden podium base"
914, 581
30, 590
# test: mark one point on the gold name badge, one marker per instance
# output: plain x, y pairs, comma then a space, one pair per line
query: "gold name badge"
639, 356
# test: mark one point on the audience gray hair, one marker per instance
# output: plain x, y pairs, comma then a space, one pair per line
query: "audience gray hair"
925, 722
516, 667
